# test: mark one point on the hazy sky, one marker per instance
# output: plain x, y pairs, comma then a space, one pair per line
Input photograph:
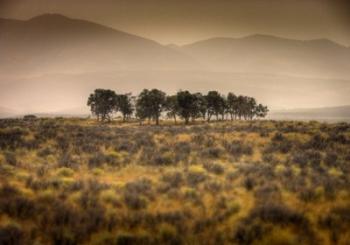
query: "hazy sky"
184, 21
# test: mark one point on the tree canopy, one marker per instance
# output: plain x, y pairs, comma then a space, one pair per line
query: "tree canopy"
153, 104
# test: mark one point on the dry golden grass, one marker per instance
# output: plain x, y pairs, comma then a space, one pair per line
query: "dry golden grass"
74, 181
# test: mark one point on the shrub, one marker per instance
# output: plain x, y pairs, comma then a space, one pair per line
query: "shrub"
125, 145
300, 158
11, 158
142, 186
268, 191
65, 172
182, 150
278, 137
11, 235
134, 201
8, 191
18, 207
11, 138
279, 214
237, 148
168, 235
61, 235
45, 152
66, 160
308, 195
213, 186
162, 159
215, 168
212, 152
130, 239
331, 159
249, 183
247, 234
196, 175
337, 221
174, 179
317, 142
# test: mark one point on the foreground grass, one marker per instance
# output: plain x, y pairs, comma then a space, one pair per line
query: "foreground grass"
72, 181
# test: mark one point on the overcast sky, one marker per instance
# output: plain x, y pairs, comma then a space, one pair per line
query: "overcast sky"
185, 21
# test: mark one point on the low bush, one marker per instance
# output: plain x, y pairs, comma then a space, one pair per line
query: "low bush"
11, 158
196, 175
174, 179
212, 152
238, 148
337, 221
134, 201
11, 138
18, 207
215, 168
11, 235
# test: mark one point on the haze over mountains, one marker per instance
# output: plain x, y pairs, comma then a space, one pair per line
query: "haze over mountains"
52, 63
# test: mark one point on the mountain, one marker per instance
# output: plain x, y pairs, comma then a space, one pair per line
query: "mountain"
273, 55
51, 62
55, 43
339, 113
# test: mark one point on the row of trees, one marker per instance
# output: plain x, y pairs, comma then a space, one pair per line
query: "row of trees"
152, 104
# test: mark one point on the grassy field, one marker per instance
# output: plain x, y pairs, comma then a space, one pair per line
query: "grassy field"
74, 181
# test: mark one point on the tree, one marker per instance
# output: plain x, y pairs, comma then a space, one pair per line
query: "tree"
250, 107
223, 107
261, 111
150, 104
102, 103
201, 105
232, 105
186, 103
241, 100
172, 106
215, 104
124, 105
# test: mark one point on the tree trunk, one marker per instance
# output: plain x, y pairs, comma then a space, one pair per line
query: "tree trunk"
209, 116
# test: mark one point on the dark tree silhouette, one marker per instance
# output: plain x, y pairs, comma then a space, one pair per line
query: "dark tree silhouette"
215, 104
261, 111
150, 104
124, 105
102, 103
172, 107
187, 107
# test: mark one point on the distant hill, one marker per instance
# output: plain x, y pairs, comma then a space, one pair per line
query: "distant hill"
340, 113
52, 61
55, 43
273, 55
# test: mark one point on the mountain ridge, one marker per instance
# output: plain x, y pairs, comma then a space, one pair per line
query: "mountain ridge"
72, 57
